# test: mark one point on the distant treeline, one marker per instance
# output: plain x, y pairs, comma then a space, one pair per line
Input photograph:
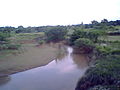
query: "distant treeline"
94, 24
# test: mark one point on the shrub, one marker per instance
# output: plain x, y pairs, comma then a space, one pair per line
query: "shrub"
115, 51
3, 36
56, 34
13, 46
83, 42
83, 45
106, 71
104, 50
89, 34
9, 46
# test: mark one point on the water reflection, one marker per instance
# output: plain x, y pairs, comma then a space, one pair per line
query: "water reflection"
81, 61
61, 54
60, 74
4, 80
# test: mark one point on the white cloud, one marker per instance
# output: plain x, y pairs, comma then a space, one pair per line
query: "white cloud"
54, 12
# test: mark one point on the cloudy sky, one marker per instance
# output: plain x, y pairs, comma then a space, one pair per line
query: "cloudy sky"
56, 12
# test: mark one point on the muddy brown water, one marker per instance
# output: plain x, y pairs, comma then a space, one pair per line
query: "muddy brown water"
60, 74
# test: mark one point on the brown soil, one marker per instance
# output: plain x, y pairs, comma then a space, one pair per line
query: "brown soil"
29, 57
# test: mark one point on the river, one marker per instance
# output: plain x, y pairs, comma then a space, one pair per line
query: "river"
60, 74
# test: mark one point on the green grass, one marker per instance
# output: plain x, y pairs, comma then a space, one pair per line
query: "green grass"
14, 41
106, 69
105, 72
110, 38
117, 27
28, 36
114, 38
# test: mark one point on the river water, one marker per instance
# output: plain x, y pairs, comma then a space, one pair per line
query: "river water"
60, 74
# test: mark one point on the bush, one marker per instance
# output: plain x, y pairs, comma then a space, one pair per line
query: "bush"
115, 51
13, 46
106, 72
56, 34
89, 34
83, 42
3, 36
104, 50
83, 45
9, 46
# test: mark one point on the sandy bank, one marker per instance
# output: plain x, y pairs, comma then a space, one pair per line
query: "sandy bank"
30, 57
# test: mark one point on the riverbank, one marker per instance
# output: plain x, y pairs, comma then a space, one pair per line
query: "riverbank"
104, 74
28, 57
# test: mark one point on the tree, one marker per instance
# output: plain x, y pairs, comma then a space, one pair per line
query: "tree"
83, 45
105, 21
94, 22
90, 34
20, 29
56, 34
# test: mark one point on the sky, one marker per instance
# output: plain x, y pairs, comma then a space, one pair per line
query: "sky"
56, 12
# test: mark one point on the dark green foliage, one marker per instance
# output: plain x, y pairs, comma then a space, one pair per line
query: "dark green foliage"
114, 52
103, 50
76, 35
13, 46
9, 46
55, 34
90, 34
4, 36
105, 72
83, 45
5, 33
83, 42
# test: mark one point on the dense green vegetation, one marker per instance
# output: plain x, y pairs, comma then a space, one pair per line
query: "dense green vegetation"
5, 42
83, 45
99, 39
104, 73
56, 34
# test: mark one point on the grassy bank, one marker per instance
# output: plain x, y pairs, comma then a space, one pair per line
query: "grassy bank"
104, 74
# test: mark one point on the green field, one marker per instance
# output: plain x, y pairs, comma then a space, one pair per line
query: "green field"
110, 38
28, 36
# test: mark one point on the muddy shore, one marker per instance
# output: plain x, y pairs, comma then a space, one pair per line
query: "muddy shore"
30, 57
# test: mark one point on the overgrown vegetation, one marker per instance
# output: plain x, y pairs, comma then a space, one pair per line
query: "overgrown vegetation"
104, 73
83, 45
56, 34
101, 39
5, 42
